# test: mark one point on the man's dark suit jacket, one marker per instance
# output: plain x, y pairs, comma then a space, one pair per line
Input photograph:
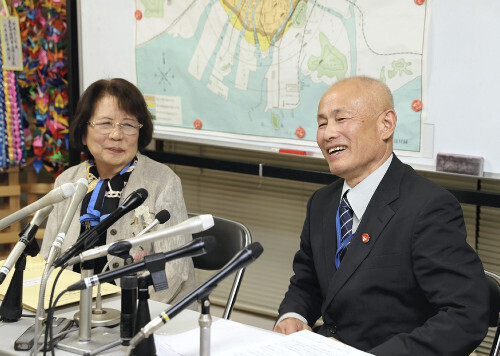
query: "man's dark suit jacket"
415, 288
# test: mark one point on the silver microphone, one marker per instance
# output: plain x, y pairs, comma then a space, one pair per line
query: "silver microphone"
53, 197
81, 187
192, 225
24, 241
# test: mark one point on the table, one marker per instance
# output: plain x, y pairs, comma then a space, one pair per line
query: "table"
184, 322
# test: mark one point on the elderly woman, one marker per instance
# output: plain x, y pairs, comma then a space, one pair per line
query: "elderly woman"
111, 125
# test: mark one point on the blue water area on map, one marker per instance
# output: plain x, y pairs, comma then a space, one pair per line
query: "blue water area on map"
242, 113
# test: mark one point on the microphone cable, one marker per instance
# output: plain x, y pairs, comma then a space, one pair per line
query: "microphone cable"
50, 314
41, 304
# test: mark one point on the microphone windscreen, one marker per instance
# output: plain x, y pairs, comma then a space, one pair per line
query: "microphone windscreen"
207, 221
143, 193
135, 199
256, 249
82, 181
163, 216
210, 243
68, 189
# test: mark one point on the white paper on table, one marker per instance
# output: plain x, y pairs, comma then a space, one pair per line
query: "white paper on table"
225, 335
229, 338
302, 343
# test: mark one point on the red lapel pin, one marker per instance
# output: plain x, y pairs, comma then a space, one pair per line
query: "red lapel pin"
365, 238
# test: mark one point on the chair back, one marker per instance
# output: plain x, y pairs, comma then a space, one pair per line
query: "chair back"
494, 288
230, 236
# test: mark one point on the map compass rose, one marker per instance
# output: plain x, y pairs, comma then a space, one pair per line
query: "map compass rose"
164, 75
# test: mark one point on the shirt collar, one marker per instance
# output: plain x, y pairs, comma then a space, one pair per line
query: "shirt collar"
361, 194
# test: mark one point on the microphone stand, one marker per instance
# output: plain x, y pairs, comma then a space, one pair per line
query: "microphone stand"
12, 305
128, 284
146, 346
12, 308
136, 315
84, 343
205, 322
84, 325
158, 279
102, 316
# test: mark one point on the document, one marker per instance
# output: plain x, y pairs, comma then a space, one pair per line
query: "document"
302, 343
229, 338
226, 335
32, 278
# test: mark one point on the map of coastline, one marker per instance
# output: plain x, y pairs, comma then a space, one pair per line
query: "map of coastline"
259, 68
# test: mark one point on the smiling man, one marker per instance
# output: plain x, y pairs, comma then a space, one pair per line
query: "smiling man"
383, 256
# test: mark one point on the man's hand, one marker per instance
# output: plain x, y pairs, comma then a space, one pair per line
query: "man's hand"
291, 325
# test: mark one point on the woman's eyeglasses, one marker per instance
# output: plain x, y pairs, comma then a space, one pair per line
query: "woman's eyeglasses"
105, 127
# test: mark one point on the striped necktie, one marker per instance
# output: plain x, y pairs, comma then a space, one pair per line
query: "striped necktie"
345, 217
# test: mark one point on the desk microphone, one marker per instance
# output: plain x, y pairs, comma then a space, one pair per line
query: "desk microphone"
26, 237
241, 260
55, 196
160, 218
81, 187
192, 225
198, 246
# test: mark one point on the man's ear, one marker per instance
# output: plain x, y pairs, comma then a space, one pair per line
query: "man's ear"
387, 124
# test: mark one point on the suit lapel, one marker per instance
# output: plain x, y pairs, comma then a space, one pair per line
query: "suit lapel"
329, 231
376, 217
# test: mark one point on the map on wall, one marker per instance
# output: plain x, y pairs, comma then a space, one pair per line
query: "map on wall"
258, 68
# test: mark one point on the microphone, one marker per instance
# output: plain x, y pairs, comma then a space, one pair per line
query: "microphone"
240, 260
81, 187
198, 246
192, 225
160, 218
26, 237
53, 197
90, 237
129, 285
81, 190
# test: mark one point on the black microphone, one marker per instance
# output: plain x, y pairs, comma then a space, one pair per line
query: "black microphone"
197, 247
240, 260
160, 218
90, 237
129, 285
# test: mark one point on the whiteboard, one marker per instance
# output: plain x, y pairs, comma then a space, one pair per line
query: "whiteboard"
462, 84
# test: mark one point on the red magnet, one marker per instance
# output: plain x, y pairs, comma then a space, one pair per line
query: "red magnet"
416, 105
138, 14
365, 238
419, 2
300, 132
197, 124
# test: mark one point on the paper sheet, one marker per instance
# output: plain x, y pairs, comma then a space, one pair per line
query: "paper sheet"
234, 339
225, 335
302, 343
